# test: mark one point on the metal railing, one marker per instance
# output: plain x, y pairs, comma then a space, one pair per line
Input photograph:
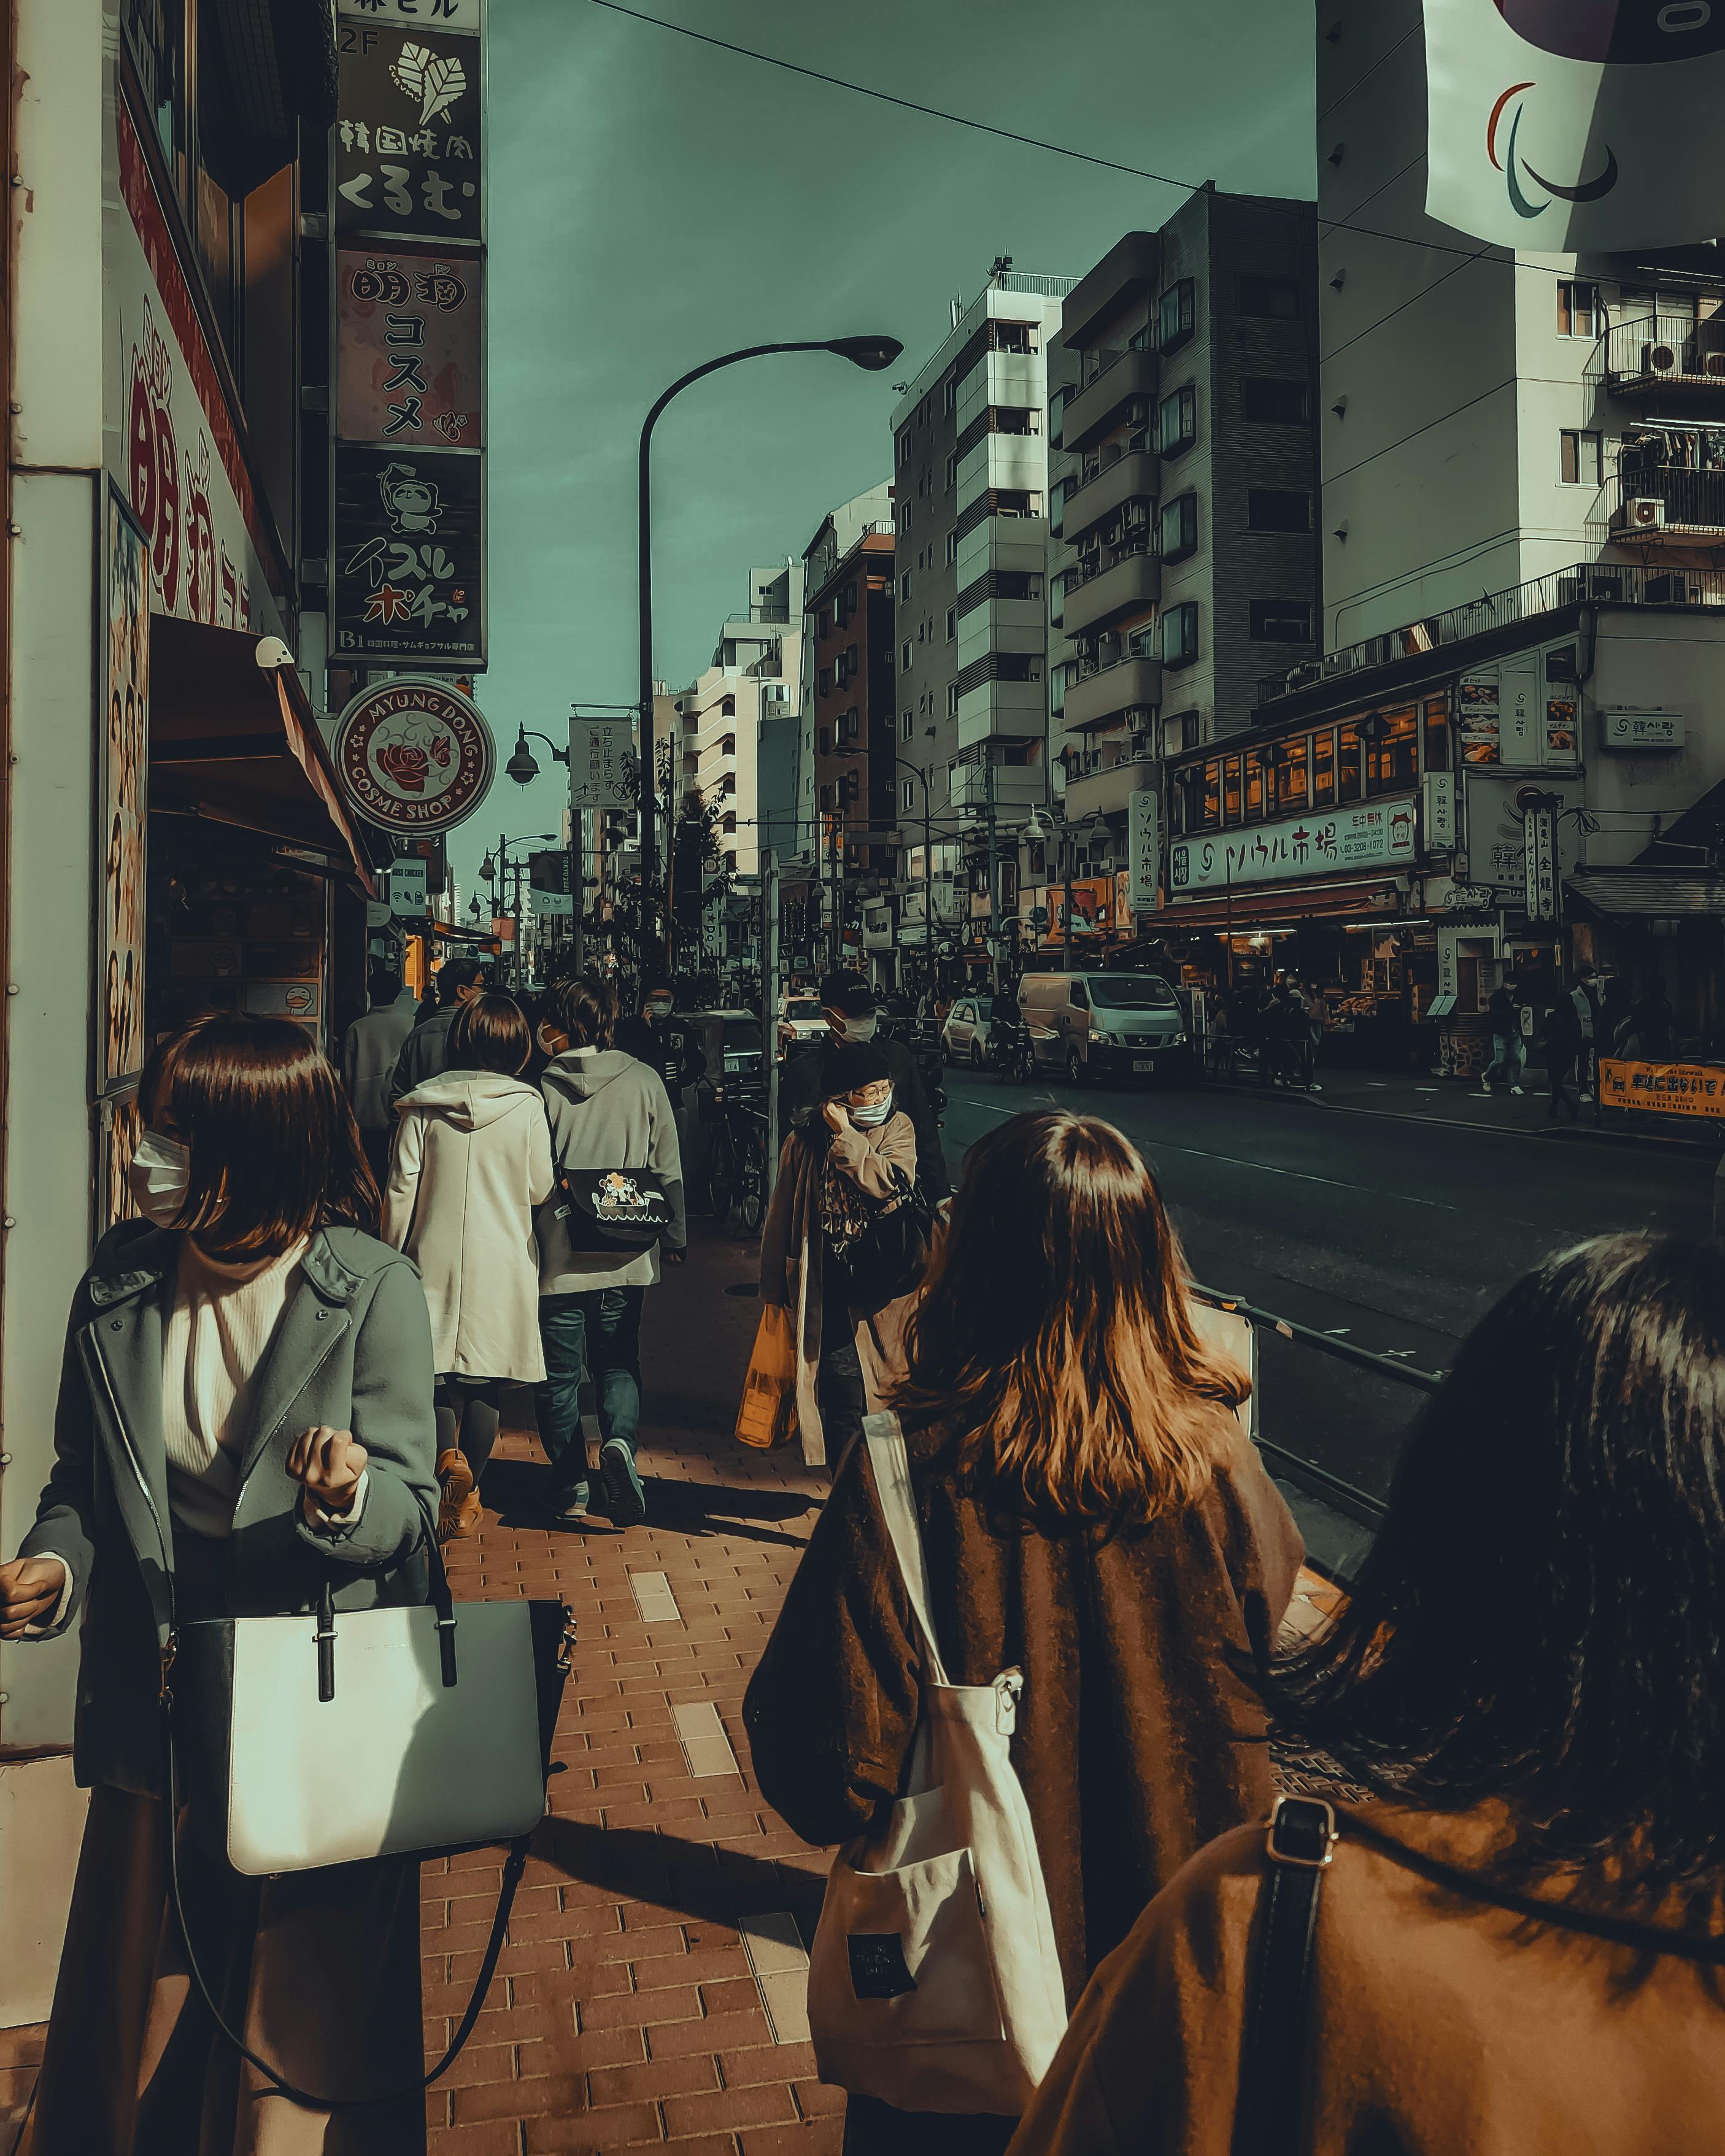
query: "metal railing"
1688, 500
1587, 584
1649, 350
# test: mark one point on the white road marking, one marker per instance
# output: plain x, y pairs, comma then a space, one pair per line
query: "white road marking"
701, 1734
655, 1601
780, 1967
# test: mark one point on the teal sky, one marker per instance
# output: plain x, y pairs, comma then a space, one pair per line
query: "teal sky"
654, 203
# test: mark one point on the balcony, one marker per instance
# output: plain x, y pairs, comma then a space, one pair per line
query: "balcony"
1103, 696
1099, 404
1107, 792
1653, 352
1135, 477
1663, 506
1018, 787
1133, 581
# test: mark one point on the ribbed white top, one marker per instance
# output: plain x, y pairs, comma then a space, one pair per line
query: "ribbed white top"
223, 1320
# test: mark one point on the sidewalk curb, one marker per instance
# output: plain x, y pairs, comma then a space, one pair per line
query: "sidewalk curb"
1590, 1135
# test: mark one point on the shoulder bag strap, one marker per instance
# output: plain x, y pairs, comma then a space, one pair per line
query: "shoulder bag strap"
1268, 2117
892, 1464
513, 1865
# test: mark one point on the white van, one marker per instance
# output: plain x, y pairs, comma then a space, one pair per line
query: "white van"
1096, 1025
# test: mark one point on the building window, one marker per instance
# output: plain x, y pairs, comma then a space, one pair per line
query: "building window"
903, 585
908, 794
1277, 298
951, 472
904, 658
1179, 634
154, 31
949, 393
1291, 773
823, 741
1278, 509
951, 700
1347, 765
1281, 621
1577, 305
1176, 315
1177, 421
1323, 770
1177, 527
951, 623
1230, 790
907, 725
1579, 457
823, 681
1255, 788
1280, 402
1437, 734
952, 544
1392, 759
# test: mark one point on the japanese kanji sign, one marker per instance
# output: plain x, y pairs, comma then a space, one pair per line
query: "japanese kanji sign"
603, 765
407, 141
407, 354
1378, 833
419, 14
407, 558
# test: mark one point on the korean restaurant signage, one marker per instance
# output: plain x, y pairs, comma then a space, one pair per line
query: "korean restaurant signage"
1669, 1089
1373, 834
1496, 808
1506, 714
408, 325
1641, 731
408, 556
415, 757
1437, 795
174, 448
407, 136
1143, 850
1558, 127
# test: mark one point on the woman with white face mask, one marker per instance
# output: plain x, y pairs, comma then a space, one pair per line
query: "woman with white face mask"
839, 1174
245, 1419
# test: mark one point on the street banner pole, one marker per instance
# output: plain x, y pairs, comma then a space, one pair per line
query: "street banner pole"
769, 1002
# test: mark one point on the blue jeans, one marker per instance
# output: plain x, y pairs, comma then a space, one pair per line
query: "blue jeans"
600, 1334
1507, 1055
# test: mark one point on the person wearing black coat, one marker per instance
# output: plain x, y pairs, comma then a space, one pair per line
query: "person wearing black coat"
1563, 1044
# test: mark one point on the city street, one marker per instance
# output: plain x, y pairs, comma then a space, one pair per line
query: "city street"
1338, 1218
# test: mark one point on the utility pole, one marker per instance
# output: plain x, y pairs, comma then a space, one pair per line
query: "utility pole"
1067, 874
769, 1003
993, 872
577, 941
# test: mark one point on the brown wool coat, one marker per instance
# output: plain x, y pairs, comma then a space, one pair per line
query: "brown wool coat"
1135, 1744
793, 1247
1441, 2025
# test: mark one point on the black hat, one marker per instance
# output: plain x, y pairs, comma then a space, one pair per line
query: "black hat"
851, 1063
848, 993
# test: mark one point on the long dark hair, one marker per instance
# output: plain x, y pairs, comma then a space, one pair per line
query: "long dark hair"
1542, 1617
274, 1149
1054, 1336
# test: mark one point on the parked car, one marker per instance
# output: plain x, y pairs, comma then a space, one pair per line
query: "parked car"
964, 1037
800, 1020
1095, 1024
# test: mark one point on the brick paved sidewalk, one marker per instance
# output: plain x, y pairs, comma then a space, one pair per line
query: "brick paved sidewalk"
651, 1992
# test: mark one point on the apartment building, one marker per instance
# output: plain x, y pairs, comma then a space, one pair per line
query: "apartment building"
852, 617
736, 739
971, 479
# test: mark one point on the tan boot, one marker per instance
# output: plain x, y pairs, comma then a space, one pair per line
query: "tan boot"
469, 1519
455, 1487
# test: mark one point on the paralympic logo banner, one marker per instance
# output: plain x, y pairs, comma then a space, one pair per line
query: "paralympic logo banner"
1567, 125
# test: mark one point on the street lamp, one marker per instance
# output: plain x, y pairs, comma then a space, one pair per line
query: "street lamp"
920, 771
872, 353
493, 870
1042, 824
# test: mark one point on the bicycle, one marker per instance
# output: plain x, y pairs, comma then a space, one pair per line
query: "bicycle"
737, 1165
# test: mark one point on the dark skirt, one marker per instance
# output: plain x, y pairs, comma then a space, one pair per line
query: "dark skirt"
318, 1970
873, 2128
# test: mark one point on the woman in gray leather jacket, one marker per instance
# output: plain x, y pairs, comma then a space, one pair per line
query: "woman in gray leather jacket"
245, 1411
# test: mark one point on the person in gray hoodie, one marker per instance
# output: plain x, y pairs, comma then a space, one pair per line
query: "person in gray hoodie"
606, 1111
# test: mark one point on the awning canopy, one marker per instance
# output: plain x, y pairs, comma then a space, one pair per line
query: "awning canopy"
1649, 894
237, 742
1286, 905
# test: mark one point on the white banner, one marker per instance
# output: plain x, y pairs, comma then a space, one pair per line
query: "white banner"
1143, 850
1376, 833
553, 903
1560, 124
602, 763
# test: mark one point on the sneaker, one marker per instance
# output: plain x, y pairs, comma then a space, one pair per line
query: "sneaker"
455, 1482
469, 1517
1587, 1096
568, 1506
624, 1493
1518, 1090
1314, 1087
1483, 1093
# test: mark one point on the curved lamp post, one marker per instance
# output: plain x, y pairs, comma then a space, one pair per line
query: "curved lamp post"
872, 353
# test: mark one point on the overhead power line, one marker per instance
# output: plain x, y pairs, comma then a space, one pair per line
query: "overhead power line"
1041, 143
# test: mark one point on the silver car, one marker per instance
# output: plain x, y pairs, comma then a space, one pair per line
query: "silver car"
964, 1037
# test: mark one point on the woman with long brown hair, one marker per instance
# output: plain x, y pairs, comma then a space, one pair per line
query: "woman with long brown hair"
1092, 1515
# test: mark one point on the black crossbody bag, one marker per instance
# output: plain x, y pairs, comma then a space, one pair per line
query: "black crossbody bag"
608, 1208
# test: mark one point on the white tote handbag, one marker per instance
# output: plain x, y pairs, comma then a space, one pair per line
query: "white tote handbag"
934, 1983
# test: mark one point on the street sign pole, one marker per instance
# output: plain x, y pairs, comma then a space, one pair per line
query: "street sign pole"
769, 1002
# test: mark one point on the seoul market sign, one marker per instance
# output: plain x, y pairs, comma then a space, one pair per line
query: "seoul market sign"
1375, 834
415, 755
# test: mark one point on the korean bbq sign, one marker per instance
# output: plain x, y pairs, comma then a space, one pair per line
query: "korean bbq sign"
1371, 835
415, 757
406, 143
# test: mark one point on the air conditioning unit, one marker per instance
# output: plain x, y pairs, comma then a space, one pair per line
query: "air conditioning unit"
1715, 364
1138, 412
1660, 358
1640, 513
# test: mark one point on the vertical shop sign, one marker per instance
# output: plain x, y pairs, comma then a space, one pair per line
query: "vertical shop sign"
1143, 828
602, 763
124, 776
1539, 838
407, 549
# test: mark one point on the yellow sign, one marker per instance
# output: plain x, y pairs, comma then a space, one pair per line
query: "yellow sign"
1671, 1088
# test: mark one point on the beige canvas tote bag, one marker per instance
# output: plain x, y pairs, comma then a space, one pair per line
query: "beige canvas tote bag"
933, 1982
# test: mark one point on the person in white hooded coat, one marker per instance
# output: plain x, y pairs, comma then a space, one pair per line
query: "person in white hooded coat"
471, 1160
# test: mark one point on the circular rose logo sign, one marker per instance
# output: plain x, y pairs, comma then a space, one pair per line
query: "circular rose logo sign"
1626, 33
415, 755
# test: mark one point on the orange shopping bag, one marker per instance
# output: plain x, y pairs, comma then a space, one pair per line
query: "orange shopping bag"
768, 1417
